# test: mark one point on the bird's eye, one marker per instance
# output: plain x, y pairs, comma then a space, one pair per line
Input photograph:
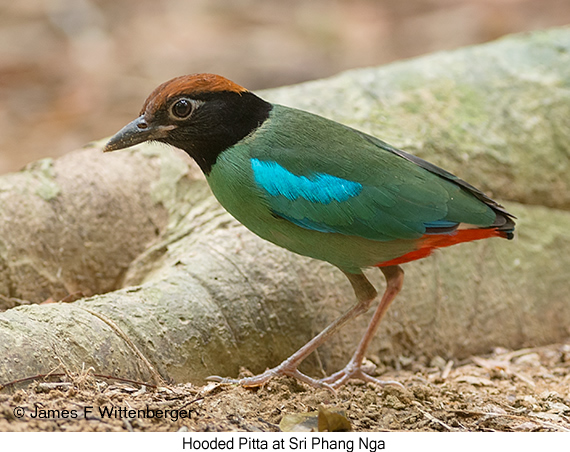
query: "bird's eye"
181, 109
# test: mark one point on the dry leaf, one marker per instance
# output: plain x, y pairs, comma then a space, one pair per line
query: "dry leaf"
300, 422
331, 421
325, 420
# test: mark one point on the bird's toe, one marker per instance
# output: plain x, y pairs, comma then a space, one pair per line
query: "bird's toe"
350, 372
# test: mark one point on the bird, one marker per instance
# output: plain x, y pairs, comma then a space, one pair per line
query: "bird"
317, 188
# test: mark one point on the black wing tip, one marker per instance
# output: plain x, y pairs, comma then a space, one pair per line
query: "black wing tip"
505, 223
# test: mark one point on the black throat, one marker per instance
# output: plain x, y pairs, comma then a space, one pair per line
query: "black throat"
221, 121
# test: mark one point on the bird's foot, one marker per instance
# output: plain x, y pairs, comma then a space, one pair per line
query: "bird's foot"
283, 369
354, 371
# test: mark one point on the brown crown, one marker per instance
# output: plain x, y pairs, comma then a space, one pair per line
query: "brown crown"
189, 84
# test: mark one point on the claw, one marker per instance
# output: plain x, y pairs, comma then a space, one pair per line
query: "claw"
354, 371
223, 380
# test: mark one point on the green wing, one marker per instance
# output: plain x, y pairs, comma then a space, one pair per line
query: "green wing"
327, 177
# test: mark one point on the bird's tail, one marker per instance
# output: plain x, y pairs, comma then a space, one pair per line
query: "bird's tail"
503, 227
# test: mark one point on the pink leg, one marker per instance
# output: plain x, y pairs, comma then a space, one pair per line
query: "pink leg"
353, 370
365, 294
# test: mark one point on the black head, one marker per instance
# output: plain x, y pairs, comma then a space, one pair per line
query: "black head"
203, 114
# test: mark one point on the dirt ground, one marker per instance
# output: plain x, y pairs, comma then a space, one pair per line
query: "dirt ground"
522, 390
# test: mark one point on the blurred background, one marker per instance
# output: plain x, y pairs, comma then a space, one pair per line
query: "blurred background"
72, 71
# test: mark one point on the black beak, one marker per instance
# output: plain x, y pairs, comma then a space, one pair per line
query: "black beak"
136, 132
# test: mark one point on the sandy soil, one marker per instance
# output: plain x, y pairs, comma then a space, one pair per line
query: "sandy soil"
523, 390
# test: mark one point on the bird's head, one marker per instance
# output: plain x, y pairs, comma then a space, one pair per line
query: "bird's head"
202, 114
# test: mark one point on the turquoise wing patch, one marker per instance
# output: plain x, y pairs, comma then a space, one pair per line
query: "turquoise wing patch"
319, 188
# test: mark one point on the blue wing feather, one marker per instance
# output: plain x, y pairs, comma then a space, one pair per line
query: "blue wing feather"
321, 188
